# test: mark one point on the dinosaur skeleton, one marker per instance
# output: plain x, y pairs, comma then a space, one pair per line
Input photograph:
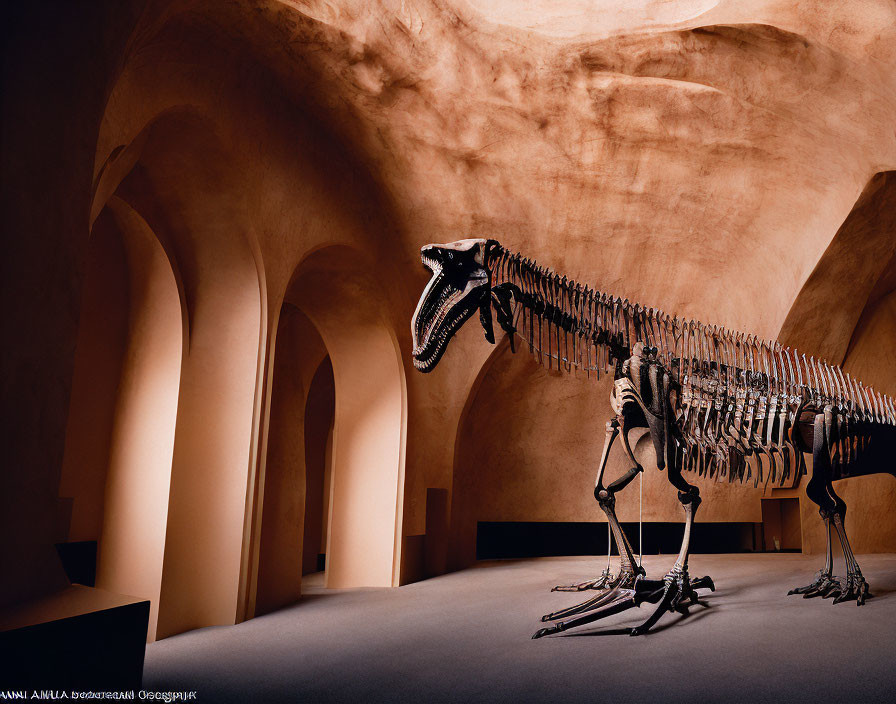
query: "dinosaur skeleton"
715, 402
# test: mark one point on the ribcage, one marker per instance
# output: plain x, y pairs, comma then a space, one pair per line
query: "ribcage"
744, 408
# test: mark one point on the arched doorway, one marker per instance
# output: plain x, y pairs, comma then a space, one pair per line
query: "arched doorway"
320, 419
334, 287
120, 436
292, 513
180, 192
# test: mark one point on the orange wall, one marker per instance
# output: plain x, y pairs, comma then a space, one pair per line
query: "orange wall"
102, 340
54, 89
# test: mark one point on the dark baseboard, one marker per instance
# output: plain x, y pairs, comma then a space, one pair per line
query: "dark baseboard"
497, 540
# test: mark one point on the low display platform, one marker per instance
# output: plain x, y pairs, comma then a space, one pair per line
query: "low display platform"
78, 638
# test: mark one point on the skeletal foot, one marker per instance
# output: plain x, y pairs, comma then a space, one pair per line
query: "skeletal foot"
606, 592
595, 602
679, 594
617, 600
825, 586
856, 588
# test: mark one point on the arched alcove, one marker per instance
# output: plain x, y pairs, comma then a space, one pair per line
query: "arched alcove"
338, 289
131, 549
120, 436
186, 186
179, 543
299, 350
846, 314
320, 409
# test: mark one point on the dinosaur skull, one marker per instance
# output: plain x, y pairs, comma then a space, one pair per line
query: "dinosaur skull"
459, 286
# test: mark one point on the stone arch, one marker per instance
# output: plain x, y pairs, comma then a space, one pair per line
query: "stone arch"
179, 180
299, 352
337, 288
320, 416
120, 436
186, 185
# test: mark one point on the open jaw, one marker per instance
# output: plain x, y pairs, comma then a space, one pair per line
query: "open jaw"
441, 312
450, 298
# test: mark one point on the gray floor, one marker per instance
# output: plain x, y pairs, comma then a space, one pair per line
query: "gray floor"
465, 637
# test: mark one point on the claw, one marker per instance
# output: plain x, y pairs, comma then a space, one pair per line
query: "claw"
703, 583
844, 596
606, 580
581, 587
863, 594
833, 590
